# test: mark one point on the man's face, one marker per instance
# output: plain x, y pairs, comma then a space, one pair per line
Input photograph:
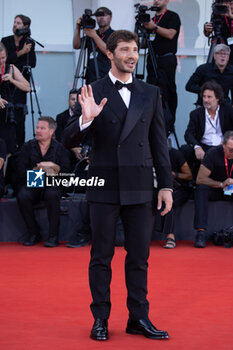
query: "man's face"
221, 58
209, 100
72, 101
18, 24
125, 57
43, 132
103, 21
228, 149
161, 4
2, 58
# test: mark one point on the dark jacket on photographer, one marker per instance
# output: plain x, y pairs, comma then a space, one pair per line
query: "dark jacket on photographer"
7, 127
20, 97
20, 62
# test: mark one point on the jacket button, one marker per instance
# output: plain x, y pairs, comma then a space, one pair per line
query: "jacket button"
141, 144
113, 121
143, 120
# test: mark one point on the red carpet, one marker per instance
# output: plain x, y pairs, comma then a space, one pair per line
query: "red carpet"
44, 299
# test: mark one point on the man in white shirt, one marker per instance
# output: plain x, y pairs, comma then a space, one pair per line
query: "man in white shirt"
207, 125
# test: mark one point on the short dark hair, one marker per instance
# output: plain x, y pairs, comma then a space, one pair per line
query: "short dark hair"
228, 135
105, 10
73, 91
213, 86
52, 123
118, 36
26, 20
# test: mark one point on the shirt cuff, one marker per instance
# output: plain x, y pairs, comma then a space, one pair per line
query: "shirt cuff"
167, 189
84, 126
196, 146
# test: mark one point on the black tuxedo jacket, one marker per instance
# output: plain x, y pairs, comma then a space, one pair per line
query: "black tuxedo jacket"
126, 144
196, 125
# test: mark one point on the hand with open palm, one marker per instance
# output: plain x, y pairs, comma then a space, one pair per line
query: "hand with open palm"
90, 109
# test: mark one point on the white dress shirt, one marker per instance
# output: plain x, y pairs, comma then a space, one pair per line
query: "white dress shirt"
213, 133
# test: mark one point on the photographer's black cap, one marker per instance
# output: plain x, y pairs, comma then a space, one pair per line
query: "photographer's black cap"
105, 10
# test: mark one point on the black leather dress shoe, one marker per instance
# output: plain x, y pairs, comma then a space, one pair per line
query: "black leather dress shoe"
99, 330
52, 241
32, 240
200, 240
146, 328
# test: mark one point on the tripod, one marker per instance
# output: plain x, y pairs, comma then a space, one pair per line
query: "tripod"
80, 71
144, 39
28, 69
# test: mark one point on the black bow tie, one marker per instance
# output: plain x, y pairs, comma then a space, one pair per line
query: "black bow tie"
119, 85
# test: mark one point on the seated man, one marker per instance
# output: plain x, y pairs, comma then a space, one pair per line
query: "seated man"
181, 193
220, 71
2, 160
62, 118
42, 153
214, 177
207, 125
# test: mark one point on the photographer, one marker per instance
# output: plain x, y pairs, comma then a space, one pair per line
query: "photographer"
221, 25
214, 177
100, 37
21, 53
10, 77
219, 70
164, 30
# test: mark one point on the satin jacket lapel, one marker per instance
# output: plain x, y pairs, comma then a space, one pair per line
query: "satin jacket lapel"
116, 104
136, 108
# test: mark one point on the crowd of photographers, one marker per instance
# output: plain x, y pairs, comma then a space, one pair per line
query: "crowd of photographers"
213, 117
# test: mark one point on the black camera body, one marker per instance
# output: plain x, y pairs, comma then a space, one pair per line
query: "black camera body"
218, 8
87, 21
23, 32
142, 15
218, 11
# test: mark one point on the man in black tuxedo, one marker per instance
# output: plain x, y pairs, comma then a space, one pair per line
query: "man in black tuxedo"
129, 138
207, 125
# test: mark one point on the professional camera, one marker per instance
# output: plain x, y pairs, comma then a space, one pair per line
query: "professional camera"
218, 7
24, 31
142, 16
218, 11
87, 21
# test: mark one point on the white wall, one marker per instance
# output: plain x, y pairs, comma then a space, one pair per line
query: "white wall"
52, 21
